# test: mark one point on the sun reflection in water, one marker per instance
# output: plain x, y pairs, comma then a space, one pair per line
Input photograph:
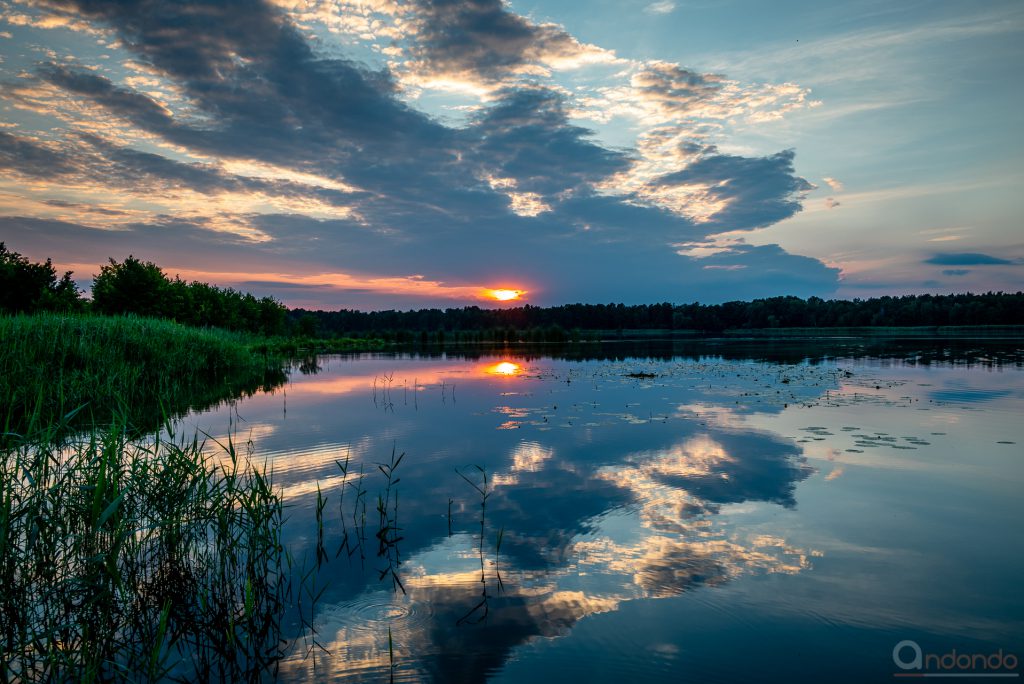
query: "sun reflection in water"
506, 368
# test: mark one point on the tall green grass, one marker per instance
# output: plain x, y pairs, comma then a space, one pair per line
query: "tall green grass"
133, 558
127, 560
52, 365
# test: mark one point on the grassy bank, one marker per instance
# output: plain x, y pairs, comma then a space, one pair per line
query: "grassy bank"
94, 367
303, 346
133, 558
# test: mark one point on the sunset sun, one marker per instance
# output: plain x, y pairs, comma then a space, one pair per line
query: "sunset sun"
505, 295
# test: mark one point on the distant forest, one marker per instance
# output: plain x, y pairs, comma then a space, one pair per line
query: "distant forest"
142, 288
773, 312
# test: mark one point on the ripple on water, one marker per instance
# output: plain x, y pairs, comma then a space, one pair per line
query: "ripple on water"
375, 611
361, 627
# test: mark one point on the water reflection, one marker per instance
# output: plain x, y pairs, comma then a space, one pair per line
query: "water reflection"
504, 368
607, 483
587, 520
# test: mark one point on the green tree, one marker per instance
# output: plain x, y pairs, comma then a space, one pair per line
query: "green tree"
271, 316
131, 286
307, 326
27, 287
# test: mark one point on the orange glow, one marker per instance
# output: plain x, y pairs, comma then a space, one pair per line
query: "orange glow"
505, 368
505, 295
412, 285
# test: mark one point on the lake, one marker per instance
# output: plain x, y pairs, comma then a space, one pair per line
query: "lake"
744, 512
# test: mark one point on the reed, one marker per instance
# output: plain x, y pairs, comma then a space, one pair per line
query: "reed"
479, 612
135, 558
132, 560
388, 529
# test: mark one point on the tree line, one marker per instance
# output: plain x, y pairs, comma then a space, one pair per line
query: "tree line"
142, 288
773, 312
135, 287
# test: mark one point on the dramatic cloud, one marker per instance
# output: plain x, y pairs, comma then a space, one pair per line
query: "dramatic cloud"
742, 193
675, 90
29, 157
697, 104
525, 136
482, 42
220, 133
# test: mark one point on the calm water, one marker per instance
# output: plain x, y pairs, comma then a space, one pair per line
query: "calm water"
735, 514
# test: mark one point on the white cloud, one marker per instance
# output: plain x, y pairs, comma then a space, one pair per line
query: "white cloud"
662, 7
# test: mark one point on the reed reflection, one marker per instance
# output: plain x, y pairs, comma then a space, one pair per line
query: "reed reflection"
546, 541
653, 535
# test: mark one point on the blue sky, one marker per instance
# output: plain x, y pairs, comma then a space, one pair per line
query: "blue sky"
396, 154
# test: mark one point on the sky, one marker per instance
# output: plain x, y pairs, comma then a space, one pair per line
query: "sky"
377, 154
